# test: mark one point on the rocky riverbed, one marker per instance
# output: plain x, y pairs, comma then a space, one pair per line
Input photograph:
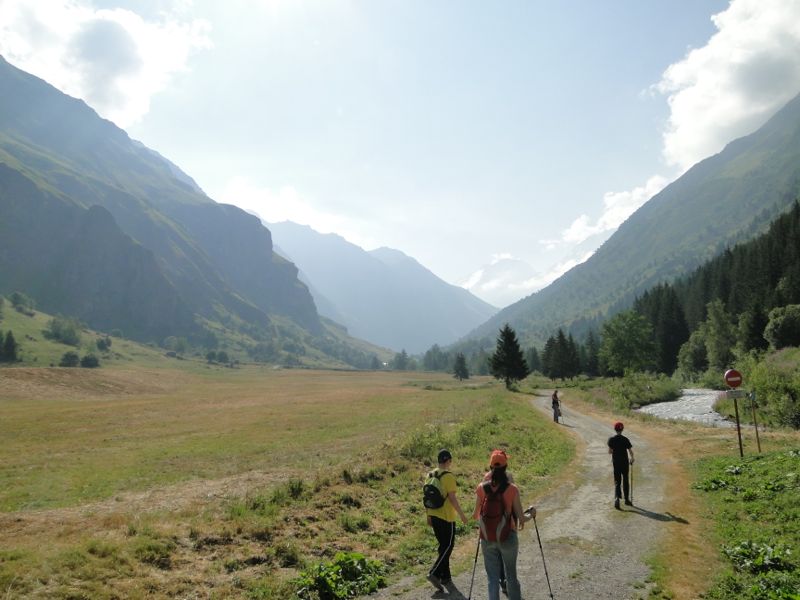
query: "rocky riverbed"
693, 405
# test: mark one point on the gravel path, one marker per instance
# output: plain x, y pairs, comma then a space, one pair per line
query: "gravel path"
593, 552
693, 405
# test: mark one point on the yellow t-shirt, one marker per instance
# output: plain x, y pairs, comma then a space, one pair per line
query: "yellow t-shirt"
447, 510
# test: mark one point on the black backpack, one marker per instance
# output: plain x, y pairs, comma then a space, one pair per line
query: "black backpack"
433, 495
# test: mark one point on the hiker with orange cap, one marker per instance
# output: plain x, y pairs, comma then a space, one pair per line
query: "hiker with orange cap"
620, 447
499, 512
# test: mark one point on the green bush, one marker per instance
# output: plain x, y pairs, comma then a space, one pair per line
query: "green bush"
348, 575
64, 329
70, 359
90, 361
639, 389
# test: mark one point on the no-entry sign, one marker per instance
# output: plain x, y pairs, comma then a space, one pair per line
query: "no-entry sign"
733, 378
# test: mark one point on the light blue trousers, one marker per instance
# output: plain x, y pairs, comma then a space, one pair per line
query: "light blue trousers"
497, 555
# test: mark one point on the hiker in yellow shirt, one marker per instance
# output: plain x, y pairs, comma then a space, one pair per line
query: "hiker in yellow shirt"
443, 521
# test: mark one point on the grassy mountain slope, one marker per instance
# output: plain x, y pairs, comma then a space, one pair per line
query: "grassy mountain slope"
180, 249
724, 199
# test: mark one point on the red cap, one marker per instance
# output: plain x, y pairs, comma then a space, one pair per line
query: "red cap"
499, 458
618, 426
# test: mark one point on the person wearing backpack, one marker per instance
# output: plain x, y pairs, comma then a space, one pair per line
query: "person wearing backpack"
442, 518
499, 512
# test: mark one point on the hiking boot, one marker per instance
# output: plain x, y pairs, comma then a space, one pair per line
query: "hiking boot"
628, 503
436, 582
616, 503
504, 586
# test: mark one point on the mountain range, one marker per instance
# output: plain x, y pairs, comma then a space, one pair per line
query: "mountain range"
97, 226
382, 295
724, 199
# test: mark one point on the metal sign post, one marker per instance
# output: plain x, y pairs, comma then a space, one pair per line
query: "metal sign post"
755, 422
734, 379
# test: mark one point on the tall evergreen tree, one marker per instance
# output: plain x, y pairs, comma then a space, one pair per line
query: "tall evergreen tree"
507, 362
548, 357
720, 336
460, 370
573, 358
533, 359
592, 366
9, 353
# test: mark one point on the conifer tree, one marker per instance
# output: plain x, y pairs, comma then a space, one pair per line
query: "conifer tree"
592, 366
507, 362
9, 351
460, 370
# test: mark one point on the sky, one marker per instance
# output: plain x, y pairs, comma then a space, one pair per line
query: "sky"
497, 143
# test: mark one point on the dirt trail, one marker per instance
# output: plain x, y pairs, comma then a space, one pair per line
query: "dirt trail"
592, 551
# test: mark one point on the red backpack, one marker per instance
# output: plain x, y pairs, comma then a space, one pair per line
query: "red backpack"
494, 521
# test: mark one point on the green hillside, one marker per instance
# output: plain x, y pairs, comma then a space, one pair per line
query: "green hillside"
724, 199
96, 226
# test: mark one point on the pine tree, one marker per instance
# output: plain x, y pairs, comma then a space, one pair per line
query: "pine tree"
9, 352
460, 370
592, 355
507, 362
533, 359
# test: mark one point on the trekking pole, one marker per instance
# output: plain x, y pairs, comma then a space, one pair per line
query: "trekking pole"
546, 576
475, 564
631, 484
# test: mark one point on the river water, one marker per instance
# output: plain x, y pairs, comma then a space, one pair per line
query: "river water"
693, 405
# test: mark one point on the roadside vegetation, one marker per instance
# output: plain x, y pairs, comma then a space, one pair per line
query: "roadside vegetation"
754, 501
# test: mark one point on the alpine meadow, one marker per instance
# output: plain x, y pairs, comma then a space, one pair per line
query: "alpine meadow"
444, 300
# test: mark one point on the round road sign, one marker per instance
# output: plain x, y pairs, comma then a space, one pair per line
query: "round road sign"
733, 378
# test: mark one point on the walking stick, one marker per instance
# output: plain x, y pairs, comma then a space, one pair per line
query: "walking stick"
475, 564
631, 484
547, 577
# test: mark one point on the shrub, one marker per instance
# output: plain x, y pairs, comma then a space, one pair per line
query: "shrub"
90, 361
64, 329
70, 359
348, 575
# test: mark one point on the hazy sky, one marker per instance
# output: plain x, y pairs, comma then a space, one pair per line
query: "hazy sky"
464, 133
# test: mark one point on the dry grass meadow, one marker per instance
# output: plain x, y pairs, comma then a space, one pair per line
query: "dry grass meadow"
220, 483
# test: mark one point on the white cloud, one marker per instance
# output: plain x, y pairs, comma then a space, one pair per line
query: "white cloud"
113, 59
728, 88
617, 206
508, 279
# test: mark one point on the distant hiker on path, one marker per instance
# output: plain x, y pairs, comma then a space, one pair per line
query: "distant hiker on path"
499, 513
619, 447
556, 405
443, 521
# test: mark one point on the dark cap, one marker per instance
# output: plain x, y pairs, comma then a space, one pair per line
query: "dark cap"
444, 456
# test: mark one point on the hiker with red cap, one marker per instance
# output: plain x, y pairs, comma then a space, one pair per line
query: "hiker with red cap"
499, 512
619, 447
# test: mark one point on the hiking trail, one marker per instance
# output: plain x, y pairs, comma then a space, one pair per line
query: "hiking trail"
592, 551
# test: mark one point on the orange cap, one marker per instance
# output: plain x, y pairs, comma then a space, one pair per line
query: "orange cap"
499, 458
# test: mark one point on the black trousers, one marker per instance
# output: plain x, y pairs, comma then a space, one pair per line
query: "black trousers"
445, 532
621, 477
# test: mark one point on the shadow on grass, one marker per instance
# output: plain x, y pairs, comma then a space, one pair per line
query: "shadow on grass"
664, 517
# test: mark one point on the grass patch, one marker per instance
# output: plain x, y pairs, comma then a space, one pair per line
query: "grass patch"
754, 502
317, 463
